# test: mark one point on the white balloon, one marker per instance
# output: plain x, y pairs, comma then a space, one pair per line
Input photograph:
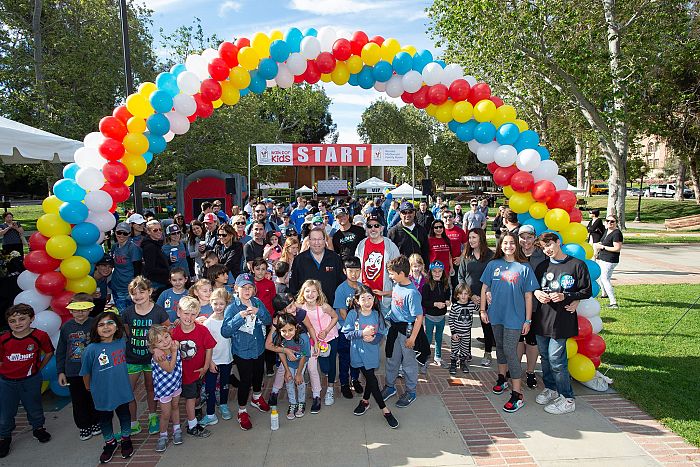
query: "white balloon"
451, 73
470, 79
326, 36
412, 81
596, 323
26, 280
89, 157
560, 182
48, 321
101, 238
528, 160
179, 124
94, 139
104, 221
310, 47
588, 308
432, 74
486, 152
89, 178
394, 87
98, 201
210, 54
284, 77
474, 146
197, 65
34, 299
189, 83
271, 83
54, 338
546, 170
168, 137
296, 64
185, 104
505, 155
381, 87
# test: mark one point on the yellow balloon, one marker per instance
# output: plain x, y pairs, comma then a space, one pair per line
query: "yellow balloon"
556, 219
51, 225
135, 143
574, 233
571, 347
84, 284
538, 210
135, 163
354, 64
588, 249
51, 204
462, 111
261, 44
520, 202
129, 180
444, 111
276, 35
522, 125
136, 125
44, 386
506, 113
61, 246
340, 75
239, 76
217, 103
139, 106
581, 368
484, 110
390, 47
75, 267
326, 77
147, 88
248, 58
508, 191
431, 109
409, 49
229, 94
371, 53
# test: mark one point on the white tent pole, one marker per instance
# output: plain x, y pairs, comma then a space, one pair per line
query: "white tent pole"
413, 173
250, 182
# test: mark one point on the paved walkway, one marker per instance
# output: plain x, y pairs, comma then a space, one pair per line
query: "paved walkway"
658, 264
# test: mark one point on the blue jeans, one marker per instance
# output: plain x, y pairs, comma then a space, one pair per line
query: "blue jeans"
296, 392
344, 361
555, 369
210, 386
28, 391
327, 364
438, 327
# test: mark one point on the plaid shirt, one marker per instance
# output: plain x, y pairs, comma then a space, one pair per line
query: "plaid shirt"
165, 383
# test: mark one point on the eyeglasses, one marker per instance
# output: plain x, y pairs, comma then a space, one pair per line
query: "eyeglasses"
373, 226
123, 233
109, 322
239, 223
473, 205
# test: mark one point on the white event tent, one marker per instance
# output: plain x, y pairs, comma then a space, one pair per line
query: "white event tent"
406, 191
24, 144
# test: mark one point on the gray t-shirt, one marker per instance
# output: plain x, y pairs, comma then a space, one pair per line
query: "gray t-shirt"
11, 237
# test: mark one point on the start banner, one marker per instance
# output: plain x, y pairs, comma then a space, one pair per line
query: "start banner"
333, 155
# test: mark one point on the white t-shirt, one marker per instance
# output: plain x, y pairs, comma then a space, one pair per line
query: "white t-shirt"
221, 355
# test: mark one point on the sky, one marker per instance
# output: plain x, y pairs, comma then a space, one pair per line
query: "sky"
405, 21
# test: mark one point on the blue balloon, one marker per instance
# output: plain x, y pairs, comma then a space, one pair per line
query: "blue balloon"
70, 170
267, 68
158, 124
465, 131
593, 269
382, 71
156, 143
60, 391
485, 132
441, 63
68, 190
293, 39
402, 63
279, 51
507, 133
523, 217
85, 233
162, 101
595, 289
177, 69
527, 139
257, 83
538, 225
352, 81
73, 212
92, 253
311, 32
244, 92
167, 82
575, 250
544, 152
420, 60
365, 77
49, 373
453, 126
427, 55
147, 156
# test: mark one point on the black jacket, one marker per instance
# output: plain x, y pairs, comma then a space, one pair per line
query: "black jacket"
430, 296
595, 230
330, 273
407, 245
230, 257
156, 266
425, 219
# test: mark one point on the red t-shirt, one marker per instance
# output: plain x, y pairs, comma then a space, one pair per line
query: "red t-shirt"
373, 265
266, 292
458, 237
439, 249
193, 350
19, 358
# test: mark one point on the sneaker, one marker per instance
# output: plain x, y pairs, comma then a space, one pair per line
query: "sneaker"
201, 402
260, 404
391, 420
198, 431
290, 411
400, 375
85, 434
531, 380
330, 397
481, 340
5, 447
153, 424
437, 361
560, 406
226, 412
422, 369
272, 400
41, 435
361, 408
136, 428
453, 367
301, 409
613, 306
96, 429
107, 452
465, 366
515, 402
316, 405
388, 392
501, 385
346, 391
162, 444
405, 400
546, 396
270, 372
357, 386
127, 447
209, 420
244, 421
486, 361
177, 437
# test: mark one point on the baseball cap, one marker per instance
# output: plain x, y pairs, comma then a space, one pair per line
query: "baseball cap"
136, 219
526, 228
211, 217
244, 279
340, 212
407, 206
172, 229
123, 227
317, 220
373, 217
290, 232
436, 265
106, 259
359, 219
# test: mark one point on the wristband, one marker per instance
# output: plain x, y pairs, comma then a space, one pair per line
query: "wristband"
528, 321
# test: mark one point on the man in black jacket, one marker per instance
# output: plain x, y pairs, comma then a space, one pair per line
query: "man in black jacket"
409, 236
320, 263
424, 217
155, 265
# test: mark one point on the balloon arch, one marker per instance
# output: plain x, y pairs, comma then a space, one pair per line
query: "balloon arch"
68, 241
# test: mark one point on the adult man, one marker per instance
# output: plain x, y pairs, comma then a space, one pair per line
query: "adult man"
156, 266
277, 216
323, 212
564, 281
424, 217
409, 236
458, 238
347, 236
216, 208
255, 246
211, 223
250, 205
299, 213
436, 207
320, 263
484, 207
260, 213
206, 209
375, 252
474, 219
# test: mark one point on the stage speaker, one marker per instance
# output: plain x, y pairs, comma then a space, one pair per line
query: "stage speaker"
427, 187
231, 186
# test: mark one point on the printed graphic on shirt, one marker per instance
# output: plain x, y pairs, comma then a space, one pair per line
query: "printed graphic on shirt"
373, 265
397, 300
551, 284
188, 349
77, 342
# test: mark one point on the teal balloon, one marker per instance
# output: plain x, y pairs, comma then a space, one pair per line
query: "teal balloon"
293, 39
402, 63
595, 289
93, 253
85, 233
60, 391
382, 71
577, 251
352, 81
528, 139
68, 190
147, 156
73, 212
311, 32
554, 232
485, 132
167, 82
465, 131
257, 83
177, 69
158, 124
538, 224
523, 217
507, 133
544, 152
593, 269
279, 51
162, 101
365, 78
156, 143
48, 373
70, 170
267, 68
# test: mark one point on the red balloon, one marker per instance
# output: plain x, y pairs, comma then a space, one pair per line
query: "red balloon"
39, 262
592, 346
420, 98
379, 40
50, 283
496, 100
325, 62
575, 215
242, 42
492, 167
312, 75
111, 149
114, 207
118, 191
407, 97
479, 92
60, 301
192, 117
115, 172
596, 361
122, 113
299, 78
584, 329
563, 199
543, 190
359, 39
112, 127
437, 94
210, 89
522, 181
459, 90
342, 49
37, 241
229, 54
204, 106
218, 69
503, 175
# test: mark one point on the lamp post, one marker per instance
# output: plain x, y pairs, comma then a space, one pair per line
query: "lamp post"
427, 161
642, 170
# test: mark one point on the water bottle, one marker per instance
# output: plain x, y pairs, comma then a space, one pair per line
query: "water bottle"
274, 419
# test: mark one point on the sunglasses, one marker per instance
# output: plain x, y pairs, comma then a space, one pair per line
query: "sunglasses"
222, 234
125, 234
109, 322
610, 221
448, 217
407, 212
259, 211
156, 230
438, 227
239, 223
373, 226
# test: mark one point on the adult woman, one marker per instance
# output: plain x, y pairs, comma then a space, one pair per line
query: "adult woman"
138, 225
475, 257
459, 215
439, 246
229, 249
235, 211
127, 265
12, 234
608, 256
156, 266
195, 246
393, 212
290, 250
179, 220
508, 283
498, 221
239, 222
595, 227
510, 222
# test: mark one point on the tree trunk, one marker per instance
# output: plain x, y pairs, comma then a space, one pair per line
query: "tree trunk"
680, 180
580, 157
693, 166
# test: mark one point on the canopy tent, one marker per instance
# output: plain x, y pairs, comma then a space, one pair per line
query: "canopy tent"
373, 183
406, 191
576, 190
304, 189
23, 144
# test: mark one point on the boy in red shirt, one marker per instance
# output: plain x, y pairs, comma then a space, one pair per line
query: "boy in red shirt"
266, 291
21, 362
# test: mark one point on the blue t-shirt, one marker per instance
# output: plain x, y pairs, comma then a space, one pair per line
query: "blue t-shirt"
109, 379
300, 349
364, 354
206, 310
137, 239
405, 303
297, 217
169, 299
180, 257
123, 273
508, 283
342, 294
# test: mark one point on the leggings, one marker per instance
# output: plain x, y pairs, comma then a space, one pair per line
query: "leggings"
314, 376
124, 417
328, 364
84, 413
507, 349
372, 387
489, 340
606, 271
224, 372
250, 371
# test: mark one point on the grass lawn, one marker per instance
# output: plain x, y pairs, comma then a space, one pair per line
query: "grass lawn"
654, 210
661, 376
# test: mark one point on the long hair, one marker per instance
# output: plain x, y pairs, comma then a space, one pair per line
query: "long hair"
444, 281
483, 245
286, 255
118, 334
363, 289
282, 321
320, 301
191, 237
228, 228
519, 255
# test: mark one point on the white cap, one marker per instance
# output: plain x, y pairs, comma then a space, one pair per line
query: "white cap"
136, 219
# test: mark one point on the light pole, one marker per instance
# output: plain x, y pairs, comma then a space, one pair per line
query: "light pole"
427, 161
642, 170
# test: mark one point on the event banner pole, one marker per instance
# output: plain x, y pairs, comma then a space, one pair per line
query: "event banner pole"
413, 174
250, 182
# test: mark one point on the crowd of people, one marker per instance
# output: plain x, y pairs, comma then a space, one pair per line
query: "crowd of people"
189, 310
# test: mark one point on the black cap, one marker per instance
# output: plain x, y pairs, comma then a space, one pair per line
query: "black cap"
106, 259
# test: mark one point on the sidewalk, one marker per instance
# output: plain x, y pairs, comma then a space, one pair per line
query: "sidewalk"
658, 264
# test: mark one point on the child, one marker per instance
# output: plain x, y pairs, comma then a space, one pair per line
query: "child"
435, 298
289, 337
138, 319
417, 275
365, 328
245, 322
210, 259
201, 290
169, 298
281, 277
323, 329
21, 362
343, 299
105, 375
221, 360
218, 276
265, 292
102, 274
273, 250
404, 335
74, 337
174, 248
196, 346
461, 328
167, 383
